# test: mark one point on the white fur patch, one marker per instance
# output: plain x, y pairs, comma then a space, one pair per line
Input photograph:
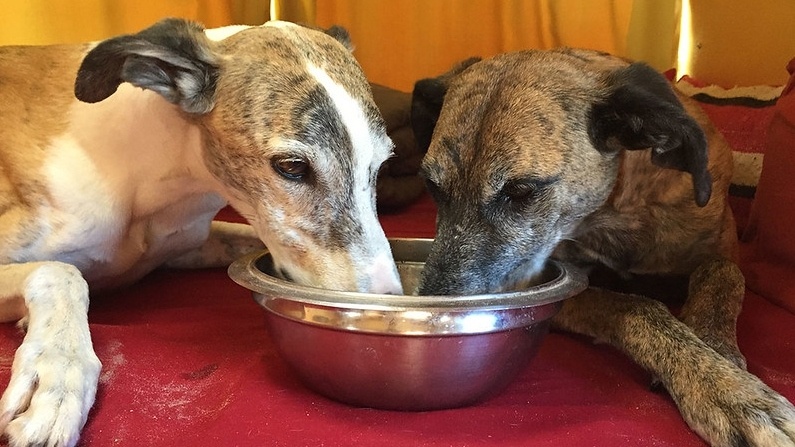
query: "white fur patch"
122, 201
222, 33
281, 24
55, 371
83, 215
369, 151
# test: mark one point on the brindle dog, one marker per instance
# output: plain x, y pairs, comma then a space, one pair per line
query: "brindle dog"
116, 155
588, 158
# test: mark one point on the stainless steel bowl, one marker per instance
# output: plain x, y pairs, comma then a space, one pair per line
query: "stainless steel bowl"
405, 352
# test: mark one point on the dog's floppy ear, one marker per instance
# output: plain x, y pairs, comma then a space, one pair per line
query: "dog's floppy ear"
172, 57
426, 102
641, 112
341, 35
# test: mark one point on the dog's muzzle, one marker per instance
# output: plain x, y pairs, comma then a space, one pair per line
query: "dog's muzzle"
383, 276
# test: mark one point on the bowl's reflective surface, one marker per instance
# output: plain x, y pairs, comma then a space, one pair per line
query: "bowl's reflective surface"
405, 352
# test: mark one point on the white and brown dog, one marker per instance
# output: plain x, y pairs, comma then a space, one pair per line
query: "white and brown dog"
167, 127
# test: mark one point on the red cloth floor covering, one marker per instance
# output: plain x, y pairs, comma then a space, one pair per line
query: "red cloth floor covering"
187, 362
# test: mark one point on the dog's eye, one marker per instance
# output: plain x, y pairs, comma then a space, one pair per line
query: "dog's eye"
291, 168
521, 190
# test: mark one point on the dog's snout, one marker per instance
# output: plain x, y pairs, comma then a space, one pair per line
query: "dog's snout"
285, 274
437, 280
439, 284
383, 276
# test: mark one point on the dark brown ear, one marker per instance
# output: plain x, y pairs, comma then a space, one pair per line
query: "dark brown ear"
341, 35
172, 57
427, 99
643, 112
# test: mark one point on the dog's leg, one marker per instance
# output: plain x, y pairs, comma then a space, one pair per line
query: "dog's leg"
726, 405
227, 241
713, 304
55, 371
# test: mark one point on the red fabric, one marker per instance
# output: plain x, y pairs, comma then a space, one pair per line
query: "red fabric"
769, 270
187, 362
744, 129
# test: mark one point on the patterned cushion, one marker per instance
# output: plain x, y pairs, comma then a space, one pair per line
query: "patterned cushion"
742, 115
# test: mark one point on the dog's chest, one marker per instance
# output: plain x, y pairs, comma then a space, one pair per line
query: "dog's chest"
154, 239
112, 246
117, 213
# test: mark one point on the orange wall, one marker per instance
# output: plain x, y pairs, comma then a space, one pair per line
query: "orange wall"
735, 42
400, 41
742, 42
33, 22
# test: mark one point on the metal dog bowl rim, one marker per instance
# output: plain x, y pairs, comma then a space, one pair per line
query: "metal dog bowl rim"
270, 291
244, 272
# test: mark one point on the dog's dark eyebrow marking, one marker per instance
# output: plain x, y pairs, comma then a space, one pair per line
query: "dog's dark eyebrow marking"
564, 100
539, 182
543, 121
321, 125
452, 150
570, 52
429, 170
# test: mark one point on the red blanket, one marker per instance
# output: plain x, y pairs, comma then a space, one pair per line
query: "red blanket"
187, 363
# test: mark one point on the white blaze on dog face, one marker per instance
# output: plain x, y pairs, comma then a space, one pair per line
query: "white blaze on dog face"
297, 140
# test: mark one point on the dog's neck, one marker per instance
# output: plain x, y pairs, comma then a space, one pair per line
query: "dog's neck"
142, 147
122, 182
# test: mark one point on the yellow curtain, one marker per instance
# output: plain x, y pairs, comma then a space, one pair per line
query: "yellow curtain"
740, 42
653, 32
725, 42
400, 41
31, 22
299, 11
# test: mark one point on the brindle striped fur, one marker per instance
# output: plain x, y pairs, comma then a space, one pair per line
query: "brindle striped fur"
585, 157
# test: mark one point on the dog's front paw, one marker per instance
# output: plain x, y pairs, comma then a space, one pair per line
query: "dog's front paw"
737, 409
50, 393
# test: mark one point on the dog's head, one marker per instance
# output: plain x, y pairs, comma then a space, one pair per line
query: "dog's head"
289, 131
527, 145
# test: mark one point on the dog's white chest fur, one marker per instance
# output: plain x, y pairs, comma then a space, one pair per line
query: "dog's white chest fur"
118, 209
